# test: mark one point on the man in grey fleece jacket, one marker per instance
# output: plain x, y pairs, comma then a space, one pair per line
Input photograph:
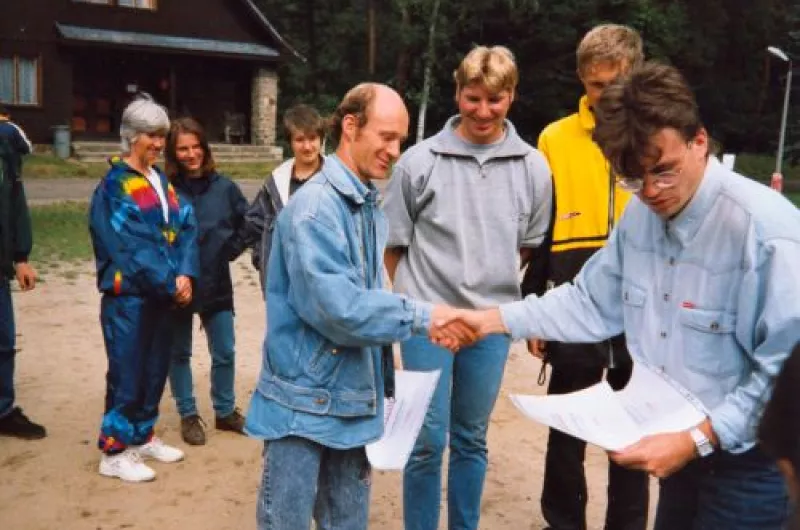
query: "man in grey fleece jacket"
466, 208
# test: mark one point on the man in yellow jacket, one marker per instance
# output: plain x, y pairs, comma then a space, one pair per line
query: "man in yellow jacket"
588, 204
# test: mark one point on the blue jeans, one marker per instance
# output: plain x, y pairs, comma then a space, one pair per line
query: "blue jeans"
461, 405
138, 337
724, 492
220, 337
7, 345
303, 479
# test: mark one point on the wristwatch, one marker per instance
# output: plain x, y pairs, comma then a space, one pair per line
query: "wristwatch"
703, 444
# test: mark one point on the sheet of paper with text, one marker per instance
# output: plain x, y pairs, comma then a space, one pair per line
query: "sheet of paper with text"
651, 403
402, 419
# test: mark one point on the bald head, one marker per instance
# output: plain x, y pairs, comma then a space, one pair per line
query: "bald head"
361, 100
370, 124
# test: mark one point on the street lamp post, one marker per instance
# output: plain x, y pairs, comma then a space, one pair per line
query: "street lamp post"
777, 177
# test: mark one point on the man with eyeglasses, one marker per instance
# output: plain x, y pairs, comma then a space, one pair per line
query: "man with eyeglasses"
701, 275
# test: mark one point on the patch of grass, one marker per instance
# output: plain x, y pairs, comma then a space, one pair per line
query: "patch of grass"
51, 167
41, 166
761, 167
795, 198
60, 233
246, 170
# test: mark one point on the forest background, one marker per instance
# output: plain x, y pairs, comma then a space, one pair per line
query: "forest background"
719, 45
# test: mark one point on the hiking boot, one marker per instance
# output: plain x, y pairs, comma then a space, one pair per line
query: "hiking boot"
127, 466
233, 422
18, 425
158, 450
192, 430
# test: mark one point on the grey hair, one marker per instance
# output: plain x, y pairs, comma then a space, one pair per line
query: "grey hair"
142, 115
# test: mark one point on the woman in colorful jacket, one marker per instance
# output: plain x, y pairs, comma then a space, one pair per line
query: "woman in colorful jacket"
146, 256
219, 206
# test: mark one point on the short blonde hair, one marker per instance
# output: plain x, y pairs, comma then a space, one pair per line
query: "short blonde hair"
612, 43
492, 67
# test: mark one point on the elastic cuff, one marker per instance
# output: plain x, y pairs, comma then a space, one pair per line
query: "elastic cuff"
20, 258
422, 316
728, 441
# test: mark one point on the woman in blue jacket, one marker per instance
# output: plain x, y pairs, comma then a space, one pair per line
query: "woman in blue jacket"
146, 256
220, 207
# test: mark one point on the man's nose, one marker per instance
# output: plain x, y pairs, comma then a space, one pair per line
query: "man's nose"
394, 150
649, 189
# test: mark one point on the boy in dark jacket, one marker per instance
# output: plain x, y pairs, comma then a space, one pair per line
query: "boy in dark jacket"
305, 129
16, 241
219, 206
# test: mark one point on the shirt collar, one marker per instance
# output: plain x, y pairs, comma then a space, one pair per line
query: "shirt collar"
447, 143
686, 224
347, 183
585, 114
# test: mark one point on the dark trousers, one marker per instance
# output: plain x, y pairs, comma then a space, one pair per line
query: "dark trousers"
564, 493
7, 351
724, 492
138, 338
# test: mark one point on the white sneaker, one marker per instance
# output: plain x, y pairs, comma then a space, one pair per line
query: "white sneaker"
127, 466
158, 450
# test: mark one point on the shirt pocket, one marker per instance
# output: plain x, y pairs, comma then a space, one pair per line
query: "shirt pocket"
324, 362
633, 302
708, 341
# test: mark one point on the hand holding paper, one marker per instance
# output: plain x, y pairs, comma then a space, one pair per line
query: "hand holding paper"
650, 404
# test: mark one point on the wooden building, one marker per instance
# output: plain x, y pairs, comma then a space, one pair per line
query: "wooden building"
78, 63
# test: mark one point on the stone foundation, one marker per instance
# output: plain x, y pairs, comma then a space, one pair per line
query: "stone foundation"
265, 106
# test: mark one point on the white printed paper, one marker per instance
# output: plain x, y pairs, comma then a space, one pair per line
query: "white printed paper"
651, 403
403, 417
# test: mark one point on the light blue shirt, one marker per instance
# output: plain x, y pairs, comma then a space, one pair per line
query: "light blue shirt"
711, 296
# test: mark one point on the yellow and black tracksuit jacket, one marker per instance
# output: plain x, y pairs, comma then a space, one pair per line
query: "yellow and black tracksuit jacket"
587, 206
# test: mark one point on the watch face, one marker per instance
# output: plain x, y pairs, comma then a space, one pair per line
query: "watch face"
703, 444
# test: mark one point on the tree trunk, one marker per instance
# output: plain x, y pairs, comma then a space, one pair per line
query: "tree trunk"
312, 81
403, 65
426, 83
371, 38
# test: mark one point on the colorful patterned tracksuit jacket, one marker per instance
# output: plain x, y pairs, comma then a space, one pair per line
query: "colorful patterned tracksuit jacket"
138, 257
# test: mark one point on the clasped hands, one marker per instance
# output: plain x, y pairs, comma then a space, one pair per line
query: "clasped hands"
183, 290
453, 328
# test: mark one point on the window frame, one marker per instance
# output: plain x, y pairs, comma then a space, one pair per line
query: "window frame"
15, 102
115, 3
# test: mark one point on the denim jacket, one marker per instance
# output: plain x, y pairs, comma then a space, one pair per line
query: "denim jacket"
321, 376
712, 297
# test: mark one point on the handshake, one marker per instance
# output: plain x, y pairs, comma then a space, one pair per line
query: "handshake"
453, 328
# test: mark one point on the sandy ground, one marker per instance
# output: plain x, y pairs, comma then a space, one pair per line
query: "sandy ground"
53, 483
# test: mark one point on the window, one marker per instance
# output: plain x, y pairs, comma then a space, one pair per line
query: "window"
19, 81
136, 4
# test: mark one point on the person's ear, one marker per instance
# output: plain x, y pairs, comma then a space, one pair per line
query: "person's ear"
349, 126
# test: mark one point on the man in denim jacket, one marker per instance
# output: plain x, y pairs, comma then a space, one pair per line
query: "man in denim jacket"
319, 399
701, 275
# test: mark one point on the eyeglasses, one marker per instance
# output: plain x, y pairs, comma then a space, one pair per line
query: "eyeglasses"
663, 180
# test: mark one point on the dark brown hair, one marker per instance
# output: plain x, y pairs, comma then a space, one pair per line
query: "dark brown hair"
356, 102
186, 126
635, 108
303, 118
